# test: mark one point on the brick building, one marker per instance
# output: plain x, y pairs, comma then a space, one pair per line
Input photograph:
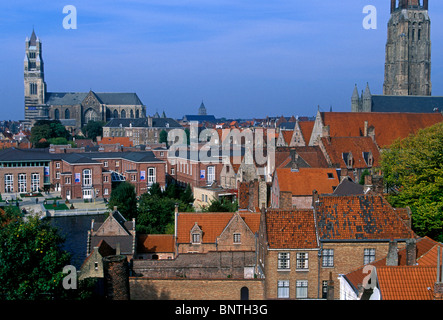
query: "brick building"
293, 188
299, 251
224, 231
82, 175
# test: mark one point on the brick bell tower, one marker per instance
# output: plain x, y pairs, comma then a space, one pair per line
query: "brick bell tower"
408, 49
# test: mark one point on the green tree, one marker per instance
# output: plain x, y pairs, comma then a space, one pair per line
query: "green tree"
223, 205
124, 198
93, 129
32, 261
363, 175
47, 129
155, 190
413, 172
163, 137
155, 214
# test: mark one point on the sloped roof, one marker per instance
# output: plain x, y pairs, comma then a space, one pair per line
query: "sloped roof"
306, 129
291, 229
76, 98
359, 217
388, 126
212, 224
407, 282
348, 187
123, 141
304, 181
426, 256
359, 146
155, 243
415, 104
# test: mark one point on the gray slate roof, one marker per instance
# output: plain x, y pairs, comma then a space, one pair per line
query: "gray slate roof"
14, 154
413, 104
143, 123
75, 98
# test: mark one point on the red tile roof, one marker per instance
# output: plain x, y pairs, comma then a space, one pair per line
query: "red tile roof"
388, 126
336, 146
155, 243
291, 229
123, 141
212, 224
426, 256
306, 130
407, 282
359, 217
305, 180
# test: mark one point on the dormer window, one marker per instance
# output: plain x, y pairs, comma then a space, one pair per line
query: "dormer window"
369, 159
196, 238
196, 234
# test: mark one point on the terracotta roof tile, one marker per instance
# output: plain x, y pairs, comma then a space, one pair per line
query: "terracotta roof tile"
305, 180
359, 217
336, 146
426, 256
406, 282
388, 126
124, 141
155, 243
212, 224
306, 130
291, 229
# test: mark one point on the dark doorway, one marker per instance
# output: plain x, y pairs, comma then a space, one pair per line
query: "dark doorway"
244, 293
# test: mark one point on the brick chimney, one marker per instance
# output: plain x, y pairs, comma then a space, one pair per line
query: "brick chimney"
411, 252
116, 276
392, 258
438, 286
330, 293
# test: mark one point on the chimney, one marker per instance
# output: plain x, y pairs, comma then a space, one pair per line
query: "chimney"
411, 252
365, 133
315, 198
330, 293
175, 220
438, 286
392, 258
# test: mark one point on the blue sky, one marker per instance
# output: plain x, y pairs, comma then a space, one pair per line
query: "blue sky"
243, 58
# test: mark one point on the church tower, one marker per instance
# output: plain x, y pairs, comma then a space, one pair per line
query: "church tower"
408, 49
34, 80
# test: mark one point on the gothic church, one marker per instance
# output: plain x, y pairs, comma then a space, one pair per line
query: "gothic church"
407, 78
73, 109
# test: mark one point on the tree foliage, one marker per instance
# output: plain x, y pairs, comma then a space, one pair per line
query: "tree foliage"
124, 198
413, 172
47, 129
93, 129
31, 260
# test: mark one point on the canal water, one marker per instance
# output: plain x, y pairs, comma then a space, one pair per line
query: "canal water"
75, 232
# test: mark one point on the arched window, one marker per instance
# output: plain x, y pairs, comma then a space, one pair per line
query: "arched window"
244, 293
67, 114
115, 114
137, 114
123, 114
56, 114
91, 115
132, 114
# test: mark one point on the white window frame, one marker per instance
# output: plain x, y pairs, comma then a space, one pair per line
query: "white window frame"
368, 255
237, 238
196, 238
283, 289
151, 175
284, 261
87, 177
301, 289
9, 182
302, 261
328, 258
22, 182
35, 181
210, 174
